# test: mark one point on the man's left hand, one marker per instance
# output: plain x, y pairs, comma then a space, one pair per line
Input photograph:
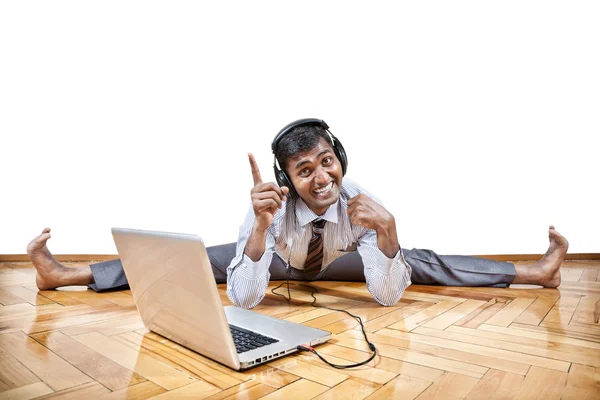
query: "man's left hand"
366, 212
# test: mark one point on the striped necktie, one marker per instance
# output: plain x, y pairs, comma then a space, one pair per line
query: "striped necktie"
314, 257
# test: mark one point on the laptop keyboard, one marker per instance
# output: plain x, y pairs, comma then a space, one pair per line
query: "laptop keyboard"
246, 340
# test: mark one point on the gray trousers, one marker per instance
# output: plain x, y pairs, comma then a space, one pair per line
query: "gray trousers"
428, 268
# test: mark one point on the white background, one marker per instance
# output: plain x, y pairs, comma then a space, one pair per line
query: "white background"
473, 121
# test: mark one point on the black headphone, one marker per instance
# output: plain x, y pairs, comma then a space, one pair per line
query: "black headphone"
280, 175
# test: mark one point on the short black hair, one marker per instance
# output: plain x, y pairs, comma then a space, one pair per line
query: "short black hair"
299, 140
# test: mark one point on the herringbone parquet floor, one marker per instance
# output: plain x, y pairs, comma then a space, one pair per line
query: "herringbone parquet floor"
437, 343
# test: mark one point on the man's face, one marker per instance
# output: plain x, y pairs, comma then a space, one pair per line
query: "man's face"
317, 176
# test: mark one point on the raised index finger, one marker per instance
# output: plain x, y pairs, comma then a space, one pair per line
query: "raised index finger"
255, 171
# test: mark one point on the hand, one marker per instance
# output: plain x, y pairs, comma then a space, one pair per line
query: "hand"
366, 212
266, 197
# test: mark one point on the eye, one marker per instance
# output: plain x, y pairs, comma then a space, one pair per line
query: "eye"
304, 172
328, 161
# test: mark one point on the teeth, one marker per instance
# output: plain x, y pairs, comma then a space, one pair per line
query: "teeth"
325, 189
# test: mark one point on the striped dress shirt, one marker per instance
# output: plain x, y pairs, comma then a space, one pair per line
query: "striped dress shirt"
289, 235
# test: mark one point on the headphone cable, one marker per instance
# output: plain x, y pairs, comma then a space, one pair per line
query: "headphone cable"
304, 347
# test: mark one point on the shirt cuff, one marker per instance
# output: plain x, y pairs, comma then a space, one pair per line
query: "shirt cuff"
255, 270
384, 265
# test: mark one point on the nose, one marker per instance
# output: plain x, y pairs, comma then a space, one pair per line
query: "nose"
321, 176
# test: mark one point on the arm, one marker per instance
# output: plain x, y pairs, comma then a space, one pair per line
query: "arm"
247, 280
248, 273
386, 272
387, 238
387, 277
255, 246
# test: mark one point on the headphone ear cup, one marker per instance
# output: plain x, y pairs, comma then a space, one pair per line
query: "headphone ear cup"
340, 154
283, 180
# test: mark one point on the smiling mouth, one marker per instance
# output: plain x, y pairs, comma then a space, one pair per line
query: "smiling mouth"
324, 190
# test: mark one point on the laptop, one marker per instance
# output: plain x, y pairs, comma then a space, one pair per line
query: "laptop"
174, 288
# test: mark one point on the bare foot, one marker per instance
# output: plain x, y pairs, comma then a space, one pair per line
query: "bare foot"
549, 265
49, 271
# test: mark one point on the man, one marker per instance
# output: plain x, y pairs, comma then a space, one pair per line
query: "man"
320, 226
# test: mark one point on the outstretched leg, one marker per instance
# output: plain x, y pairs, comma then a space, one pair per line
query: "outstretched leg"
50, 273
546, 271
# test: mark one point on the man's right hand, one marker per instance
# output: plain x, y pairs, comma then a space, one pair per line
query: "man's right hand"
266, 197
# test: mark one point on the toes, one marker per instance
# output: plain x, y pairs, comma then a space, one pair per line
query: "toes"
43, 237
553, 234
38, 242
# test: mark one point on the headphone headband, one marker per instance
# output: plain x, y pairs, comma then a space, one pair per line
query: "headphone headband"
296, 124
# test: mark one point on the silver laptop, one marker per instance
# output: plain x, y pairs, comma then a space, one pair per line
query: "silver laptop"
174, 288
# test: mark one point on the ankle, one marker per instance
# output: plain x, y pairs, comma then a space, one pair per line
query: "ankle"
78, 276
529, 274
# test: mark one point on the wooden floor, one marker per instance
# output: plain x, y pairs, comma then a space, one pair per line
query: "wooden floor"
437, 343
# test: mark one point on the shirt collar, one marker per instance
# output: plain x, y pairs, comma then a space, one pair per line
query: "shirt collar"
306, 215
